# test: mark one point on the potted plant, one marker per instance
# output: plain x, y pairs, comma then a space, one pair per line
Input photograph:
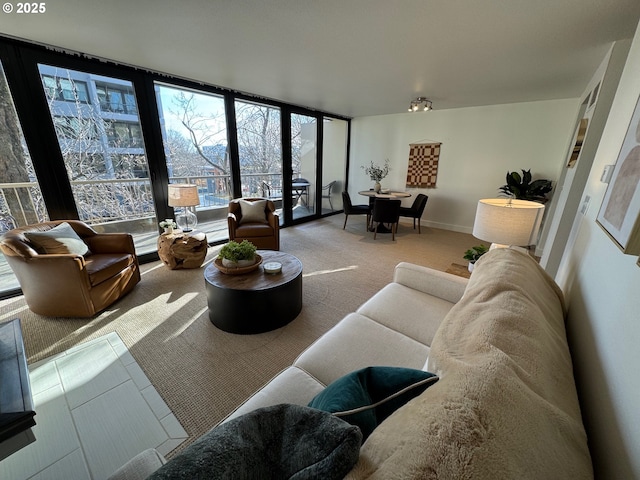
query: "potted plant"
235, 254
522, 187
168, 224
474, 253
377, 173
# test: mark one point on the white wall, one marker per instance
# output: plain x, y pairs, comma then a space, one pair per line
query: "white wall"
603, 293
570, 187
479, 146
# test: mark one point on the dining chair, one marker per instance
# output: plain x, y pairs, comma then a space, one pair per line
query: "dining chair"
416, 210
326, 192
386, 211
351, 209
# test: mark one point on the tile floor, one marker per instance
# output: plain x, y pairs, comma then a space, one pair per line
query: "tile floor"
95, 409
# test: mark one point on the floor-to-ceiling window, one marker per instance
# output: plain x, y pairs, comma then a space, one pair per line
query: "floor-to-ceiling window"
259, 136
304, 151
99, 134
105, 140
21, 200
335, 134
196, 148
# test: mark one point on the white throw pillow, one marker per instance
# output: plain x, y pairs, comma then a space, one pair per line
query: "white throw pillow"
253, 211
61, 239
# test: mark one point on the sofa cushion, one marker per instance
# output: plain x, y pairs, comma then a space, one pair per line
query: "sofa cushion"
61, 239
102, 266
408, 311
367, 396
357, 342
253, 230
253, 211
282, 441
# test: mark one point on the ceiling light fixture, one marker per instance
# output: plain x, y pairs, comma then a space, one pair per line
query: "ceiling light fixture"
420, 103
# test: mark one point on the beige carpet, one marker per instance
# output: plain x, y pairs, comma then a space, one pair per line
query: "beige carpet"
202, 372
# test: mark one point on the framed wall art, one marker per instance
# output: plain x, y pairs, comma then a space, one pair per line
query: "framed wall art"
620, 210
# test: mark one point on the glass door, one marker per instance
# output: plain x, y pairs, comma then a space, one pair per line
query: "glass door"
334, 163
260, 152
98, 128
303, 181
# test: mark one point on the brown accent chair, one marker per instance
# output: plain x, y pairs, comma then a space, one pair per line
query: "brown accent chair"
264, 234
71, 284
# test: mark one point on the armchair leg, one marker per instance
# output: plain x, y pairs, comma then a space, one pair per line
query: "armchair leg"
375, 231
345, 221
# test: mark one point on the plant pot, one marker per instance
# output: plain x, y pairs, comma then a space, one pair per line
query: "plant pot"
240, 263
377, 187
471, 265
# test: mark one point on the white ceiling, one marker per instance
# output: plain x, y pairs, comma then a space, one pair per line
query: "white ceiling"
350, 57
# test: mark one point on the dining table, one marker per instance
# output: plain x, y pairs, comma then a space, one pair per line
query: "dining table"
383, 194
301, 189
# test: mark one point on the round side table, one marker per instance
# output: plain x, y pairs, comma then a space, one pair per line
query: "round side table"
182, 249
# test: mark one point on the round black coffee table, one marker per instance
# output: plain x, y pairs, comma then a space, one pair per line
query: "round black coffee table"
255, 302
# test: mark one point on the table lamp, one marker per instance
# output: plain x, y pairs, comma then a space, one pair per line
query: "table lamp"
186, 196
506, 221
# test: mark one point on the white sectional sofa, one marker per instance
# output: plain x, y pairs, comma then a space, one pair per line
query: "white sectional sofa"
505, 406
393, 328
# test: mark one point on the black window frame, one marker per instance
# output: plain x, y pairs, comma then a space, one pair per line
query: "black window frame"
20, 60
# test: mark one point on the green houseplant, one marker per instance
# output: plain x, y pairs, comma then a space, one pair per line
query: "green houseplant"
474, 253
235, 254
522, 187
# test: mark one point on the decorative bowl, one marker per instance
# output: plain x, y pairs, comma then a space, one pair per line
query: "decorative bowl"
231, 270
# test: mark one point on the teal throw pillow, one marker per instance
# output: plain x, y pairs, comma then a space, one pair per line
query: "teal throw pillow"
366, 397
61, 239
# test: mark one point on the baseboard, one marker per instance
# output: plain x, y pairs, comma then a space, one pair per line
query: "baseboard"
447, 226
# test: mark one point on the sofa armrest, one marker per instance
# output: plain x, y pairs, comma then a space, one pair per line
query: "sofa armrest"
140, 466
434, 282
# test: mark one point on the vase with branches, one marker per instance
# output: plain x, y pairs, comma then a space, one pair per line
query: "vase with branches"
377, 173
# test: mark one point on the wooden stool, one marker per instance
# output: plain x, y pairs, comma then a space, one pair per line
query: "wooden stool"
182, 250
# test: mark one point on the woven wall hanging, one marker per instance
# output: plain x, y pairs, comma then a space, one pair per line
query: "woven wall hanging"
422, 171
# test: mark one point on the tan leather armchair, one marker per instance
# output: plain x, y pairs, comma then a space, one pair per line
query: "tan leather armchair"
264, 234
70, 284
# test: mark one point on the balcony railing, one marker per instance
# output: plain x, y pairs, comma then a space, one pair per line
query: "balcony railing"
117, 205
112, 200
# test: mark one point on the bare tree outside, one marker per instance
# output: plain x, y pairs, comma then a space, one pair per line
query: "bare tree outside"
102, 148
22, 205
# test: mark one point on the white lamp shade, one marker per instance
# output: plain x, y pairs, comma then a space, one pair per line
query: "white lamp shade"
183, 195
508, 222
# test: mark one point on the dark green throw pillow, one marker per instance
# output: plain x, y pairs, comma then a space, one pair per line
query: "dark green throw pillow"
366, 397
